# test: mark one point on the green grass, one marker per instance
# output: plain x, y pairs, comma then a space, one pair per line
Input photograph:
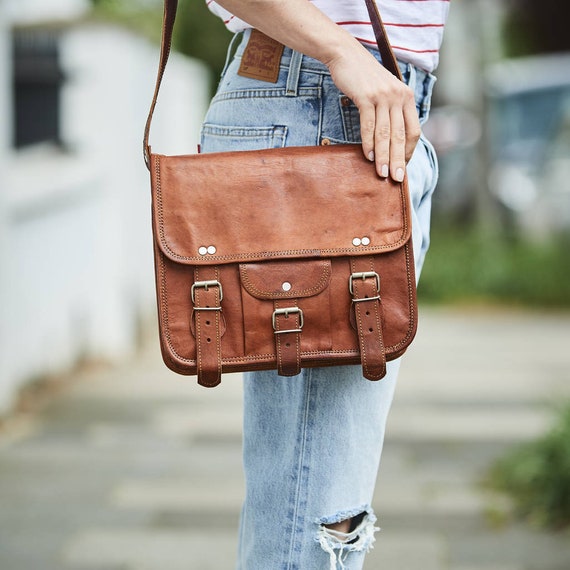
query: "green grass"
464, 266
536, 475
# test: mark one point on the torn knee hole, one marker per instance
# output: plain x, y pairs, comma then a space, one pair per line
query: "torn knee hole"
347, 525
344, 533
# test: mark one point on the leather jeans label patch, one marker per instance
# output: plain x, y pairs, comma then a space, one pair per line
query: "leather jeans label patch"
261, 58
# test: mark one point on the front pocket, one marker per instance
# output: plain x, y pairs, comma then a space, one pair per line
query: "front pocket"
270, 285
220, 138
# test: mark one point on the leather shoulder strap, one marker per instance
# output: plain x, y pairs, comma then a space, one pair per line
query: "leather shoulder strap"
386, 52
169, 16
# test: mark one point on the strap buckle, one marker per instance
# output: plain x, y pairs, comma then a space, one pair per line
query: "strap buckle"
205, 285
287, 311
364, 275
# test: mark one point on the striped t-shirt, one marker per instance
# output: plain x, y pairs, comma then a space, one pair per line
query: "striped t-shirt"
414, 27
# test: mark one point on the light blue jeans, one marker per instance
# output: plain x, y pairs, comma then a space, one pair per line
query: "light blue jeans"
312, 443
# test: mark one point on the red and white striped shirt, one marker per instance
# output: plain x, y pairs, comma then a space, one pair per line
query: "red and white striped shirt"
414, 27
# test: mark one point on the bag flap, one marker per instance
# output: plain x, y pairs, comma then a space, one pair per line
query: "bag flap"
285, 279
297, 202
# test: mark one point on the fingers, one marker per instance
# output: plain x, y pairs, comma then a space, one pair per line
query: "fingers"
390, 133
413, 129
367, 130
382, 142
397, 145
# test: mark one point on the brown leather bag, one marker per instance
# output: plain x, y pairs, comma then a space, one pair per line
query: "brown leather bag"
281, 258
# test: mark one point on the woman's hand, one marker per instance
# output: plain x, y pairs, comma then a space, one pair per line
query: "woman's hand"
389, 123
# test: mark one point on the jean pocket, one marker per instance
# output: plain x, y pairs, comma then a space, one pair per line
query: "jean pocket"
221, 138
350, 119
432, 157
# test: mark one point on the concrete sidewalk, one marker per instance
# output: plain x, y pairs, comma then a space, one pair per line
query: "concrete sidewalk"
135, 468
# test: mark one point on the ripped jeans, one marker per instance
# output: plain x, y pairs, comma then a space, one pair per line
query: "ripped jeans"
312, 443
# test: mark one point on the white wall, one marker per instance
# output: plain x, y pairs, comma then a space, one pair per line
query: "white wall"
28, 11
77, 223
5, 373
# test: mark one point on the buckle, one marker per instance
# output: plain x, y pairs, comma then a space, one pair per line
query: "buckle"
286, 312
205, 285
364, 275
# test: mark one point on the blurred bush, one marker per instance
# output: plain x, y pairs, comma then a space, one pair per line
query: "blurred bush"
202, 35
536, 475
535, 27
464, 265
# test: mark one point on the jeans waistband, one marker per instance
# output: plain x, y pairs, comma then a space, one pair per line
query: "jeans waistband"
420, 81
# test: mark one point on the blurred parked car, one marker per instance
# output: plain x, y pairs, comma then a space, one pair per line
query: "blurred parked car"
529, 131
455, 132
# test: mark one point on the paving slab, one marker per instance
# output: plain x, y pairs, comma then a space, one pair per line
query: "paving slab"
132, 467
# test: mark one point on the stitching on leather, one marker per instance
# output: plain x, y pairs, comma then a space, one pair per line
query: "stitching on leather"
198, 326
298, 346
267, 356
377, 311
264, 357
159, 199
218, 331
271, 254
251, 288
278, 343
279, 339
359, 325
303, 253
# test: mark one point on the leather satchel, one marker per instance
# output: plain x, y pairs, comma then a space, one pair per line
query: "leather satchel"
280, 258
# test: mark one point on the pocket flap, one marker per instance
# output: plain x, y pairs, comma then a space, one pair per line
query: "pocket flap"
298, 202
285, 279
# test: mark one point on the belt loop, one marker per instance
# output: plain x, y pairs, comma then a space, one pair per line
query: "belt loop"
231, 50
412, 76
428, 84
294, 72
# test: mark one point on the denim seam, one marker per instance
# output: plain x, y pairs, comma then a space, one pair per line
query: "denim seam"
303, 93
244, 132
321, 111
301, 474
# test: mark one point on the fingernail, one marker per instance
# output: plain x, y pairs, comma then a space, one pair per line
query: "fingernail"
400, 175
371, 156
385, 170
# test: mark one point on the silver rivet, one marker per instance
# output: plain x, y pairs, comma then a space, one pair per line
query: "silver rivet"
203, 250
356, 242
211, 249
365, 241
286, 286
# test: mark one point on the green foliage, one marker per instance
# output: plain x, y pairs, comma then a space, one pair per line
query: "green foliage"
537, 476
535, 27
202, 35
143, 18
465, 266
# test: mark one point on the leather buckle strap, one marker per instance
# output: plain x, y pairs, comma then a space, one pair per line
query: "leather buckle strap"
363, 275
364, 286
207, 295
286, 312
206, 285
287, 326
